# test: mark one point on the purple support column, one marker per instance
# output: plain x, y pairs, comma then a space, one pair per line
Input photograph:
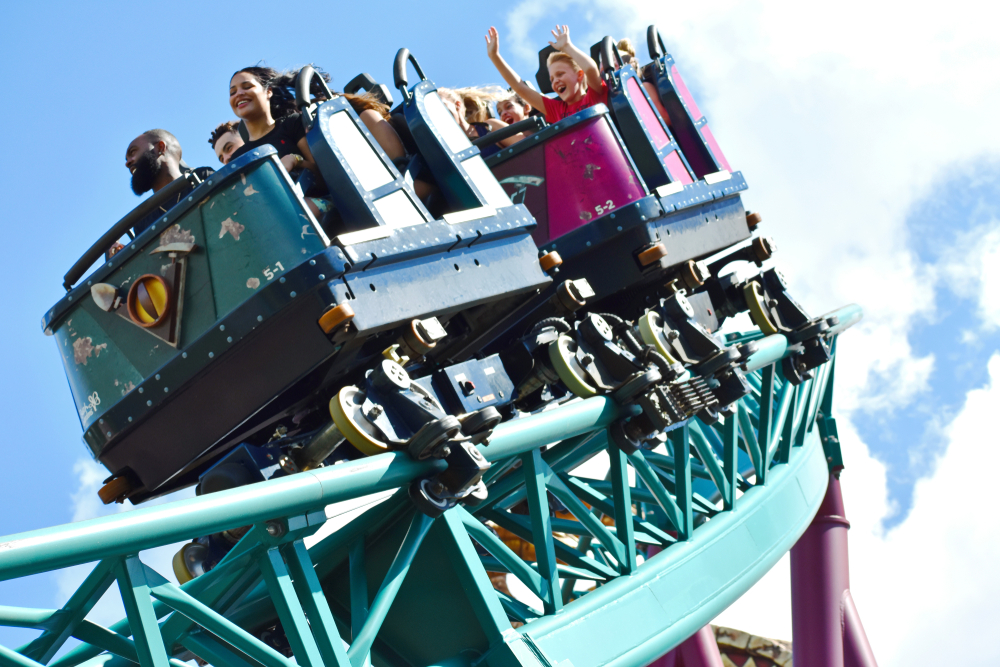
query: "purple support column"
826, 628
698, 650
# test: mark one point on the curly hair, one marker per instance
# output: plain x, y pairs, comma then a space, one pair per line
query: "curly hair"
222, 129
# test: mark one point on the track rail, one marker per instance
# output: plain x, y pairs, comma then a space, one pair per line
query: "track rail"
621, 569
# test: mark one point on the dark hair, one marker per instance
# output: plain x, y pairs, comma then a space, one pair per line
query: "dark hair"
223, 128
282, 85
282, 99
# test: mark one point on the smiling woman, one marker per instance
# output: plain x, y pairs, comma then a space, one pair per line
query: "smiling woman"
269, 117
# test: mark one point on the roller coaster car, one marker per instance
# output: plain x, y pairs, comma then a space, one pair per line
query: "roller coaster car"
235, 317
610, 188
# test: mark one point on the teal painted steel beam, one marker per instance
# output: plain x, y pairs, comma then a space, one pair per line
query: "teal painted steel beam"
680, 442
144, 528
135, 589
495, 546
472, 577
9, 658
750, 440
597, 530
106, 640
359, 585
220, 626
75, 610
535, 481
22, 617
624, 519
289, 609
217, 653
324, 627
742, 546
730, 458
362, 644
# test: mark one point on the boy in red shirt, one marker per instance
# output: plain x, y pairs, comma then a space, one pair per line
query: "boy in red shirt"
575, 77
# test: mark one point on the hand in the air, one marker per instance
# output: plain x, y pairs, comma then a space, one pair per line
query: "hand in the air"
492, 42
561, 33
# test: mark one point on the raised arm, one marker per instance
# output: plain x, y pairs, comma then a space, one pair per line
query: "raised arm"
586, 63
516, 83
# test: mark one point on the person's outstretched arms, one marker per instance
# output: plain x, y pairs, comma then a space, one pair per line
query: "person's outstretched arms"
516, 83
586, 63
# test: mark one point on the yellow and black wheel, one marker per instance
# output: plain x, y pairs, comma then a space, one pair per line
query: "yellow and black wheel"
758, 309
188, 563
562, 354
347, 410
651, 330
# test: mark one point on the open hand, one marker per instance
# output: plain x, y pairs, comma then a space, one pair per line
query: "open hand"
492, 42
561, 33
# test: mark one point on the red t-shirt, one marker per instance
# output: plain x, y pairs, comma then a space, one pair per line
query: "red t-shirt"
556, 109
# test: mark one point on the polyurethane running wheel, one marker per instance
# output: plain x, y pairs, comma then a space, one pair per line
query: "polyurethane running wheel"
652, 254
758, 310
651, 330
182, 561
115, 490
562, 354
346, 410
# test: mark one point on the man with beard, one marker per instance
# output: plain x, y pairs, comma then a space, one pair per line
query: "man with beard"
154, 160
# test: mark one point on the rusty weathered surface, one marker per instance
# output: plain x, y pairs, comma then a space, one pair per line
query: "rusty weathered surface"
740, 649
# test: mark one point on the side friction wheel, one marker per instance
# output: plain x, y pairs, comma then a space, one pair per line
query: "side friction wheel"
758, 309
346, 408
562, 354
651, 330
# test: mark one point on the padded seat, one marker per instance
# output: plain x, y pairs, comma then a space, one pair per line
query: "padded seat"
690, 127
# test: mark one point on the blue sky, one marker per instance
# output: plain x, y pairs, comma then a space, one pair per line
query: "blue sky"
866, 135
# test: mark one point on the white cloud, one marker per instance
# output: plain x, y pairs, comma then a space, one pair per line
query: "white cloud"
843, 118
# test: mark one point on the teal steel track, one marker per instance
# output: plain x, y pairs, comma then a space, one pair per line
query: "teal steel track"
624, 567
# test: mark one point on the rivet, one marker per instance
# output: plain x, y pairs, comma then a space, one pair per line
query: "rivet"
322, 277
612, 216
588, 244
101, 421
312, 262
229, 339
157, 376
619, 227
282, 280
109, 434
166, 389
260, 318
130, 419
149, 403
211, 355
184, 355
141, 390
293, 295
222, 327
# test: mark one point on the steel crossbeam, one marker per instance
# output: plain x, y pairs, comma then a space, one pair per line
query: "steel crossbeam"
581, 532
